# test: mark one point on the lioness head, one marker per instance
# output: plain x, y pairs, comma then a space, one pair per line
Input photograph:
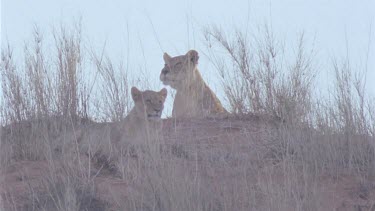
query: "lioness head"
149, 104
179, 70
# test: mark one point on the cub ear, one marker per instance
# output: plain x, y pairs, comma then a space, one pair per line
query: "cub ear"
166, 57
136, 94
193, 56
163, 92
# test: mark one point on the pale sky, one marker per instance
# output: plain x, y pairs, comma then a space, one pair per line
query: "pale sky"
335, 26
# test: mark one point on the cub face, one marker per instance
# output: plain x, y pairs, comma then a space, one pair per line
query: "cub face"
149, 104
179, 70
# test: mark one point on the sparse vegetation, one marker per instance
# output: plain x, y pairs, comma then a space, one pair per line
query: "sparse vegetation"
285, 148
261, 79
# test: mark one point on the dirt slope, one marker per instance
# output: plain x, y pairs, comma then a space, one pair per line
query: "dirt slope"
225, 164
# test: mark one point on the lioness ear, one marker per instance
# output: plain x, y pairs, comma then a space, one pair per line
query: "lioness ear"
166, 57
163, 92
136, 94
193, 56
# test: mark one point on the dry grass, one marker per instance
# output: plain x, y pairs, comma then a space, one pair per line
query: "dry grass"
261, 80
115, 102
283, 149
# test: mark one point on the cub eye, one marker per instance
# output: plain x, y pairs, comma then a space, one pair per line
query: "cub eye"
178, 65
160, 101
148, 101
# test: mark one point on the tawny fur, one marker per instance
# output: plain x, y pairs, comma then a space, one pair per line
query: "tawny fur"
144, 120
193, 97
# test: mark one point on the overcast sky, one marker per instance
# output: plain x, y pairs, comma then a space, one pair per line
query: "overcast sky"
176, 26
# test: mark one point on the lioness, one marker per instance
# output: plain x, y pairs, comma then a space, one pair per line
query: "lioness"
193, 98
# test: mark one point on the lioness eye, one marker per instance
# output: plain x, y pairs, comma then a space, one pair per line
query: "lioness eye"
148, 101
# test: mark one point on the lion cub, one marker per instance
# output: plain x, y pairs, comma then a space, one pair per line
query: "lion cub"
144, 120
193, 98
142, 126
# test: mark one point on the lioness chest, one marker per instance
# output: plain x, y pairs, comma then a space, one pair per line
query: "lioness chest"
200, 102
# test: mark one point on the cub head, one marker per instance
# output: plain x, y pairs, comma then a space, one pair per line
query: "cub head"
179, 70
149, 104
